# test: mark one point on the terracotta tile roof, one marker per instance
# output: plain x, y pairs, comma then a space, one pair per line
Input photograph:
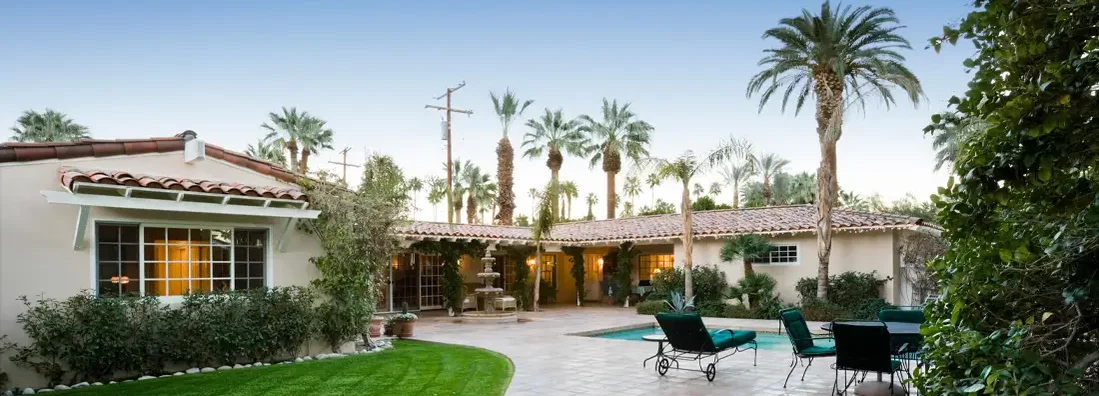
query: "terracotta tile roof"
22, 152
70, 176
768, 220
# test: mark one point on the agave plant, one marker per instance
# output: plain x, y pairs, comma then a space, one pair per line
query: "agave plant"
680, 305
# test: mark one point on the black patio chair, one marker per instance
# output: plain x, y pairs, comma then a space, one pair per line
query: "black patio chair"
802, 341
864, 348
691, 341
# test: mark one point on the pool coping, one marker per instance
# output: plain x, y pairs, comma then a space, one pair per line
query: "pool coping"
637, 326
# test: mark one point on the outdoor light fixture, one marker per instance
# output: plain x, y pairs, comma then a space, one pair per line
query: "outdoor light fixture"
120, 279
530, 262
600, 263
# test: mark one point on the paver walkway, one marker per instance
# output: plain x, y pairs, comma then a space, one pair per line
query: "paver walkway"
548, 361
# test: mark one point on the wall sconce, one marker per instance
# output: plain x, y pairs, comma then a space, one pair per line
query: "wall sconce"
600, 263
656, 271
530, 262
120, 279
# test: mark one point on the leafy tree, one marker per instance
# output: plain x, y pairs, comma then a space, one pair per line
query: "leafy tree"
627, 209
748, 247
315, 136
287, 130
618, 134
653, 180
1018, 314
522, 221
479, 190
955, 131
416, 185
768, 165
267, 150
591, 200
698, 190
436, 194
683, 169
49, 126
508, 108
569, 192
737, 173
554, 135
715, 189
852, 201
458, 191
781, 184
707, 203
803, 189
632, 188
836, 57
533, 193
661, 207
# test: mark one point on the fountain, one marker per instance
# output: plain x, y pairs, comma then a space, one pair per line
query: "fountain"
487, 294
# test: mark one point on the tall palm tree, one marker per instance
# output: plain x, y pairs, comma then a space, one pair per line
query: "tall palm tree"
627, 209
698, 190
287, 129
592, 199
834, 56
544, 220
436, 193
533, 194
619, 134
715, 189
684, 168
554, 135
569, 192
803, 188
852, 201
508, 108
632, 188
738, 170
949, 139
416, 185
315, 136
768, 165
49, 126
267, 150
478, 188
458, 191
653, 180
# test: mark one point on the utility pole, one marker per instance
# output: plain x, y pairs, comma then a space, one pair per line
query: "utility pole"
344, 163
449, 164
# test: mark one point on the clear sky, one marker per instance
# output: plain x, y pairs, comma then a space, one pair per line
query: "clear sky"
139, 69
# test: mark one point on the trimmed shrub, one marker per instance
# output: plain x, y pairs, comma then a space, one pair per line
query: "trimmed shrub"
652, 307
821, 311
869, 309
715, 309
738, 311
848, 290
709, 284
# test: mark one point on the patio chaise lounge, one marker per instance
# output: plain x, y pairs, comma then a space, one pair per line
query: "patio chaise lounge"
691, 341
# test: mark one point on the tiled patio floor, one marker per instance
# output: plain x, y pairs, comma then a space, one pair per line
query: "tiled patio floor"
550, 362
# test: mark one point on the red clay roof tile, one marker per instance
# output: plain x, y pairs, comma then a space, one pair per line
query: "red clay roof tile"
70, 176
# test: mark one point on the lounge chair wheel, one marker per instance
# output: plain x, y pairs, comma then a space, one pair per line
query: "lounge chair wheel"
663, 365
711, 372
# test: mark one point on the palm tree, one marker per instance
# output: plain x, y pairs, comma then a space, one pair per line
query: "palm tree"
569, 192
803, 188
953, 135
533, 194
287, 129
698, 190
458, 191
619, 134
544, 220
267, 150
50, 126
507, 109
768, 165
478, 188
684, 168
554, 135
632, 188
416, 185
591, 201
852, 201
834, 56
737, 172
314, 138
627, 209
653, 180
436, 193
715, 189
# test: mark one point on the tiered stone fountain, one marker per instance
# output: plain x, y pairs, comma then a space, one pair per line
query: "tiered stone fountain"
487, 295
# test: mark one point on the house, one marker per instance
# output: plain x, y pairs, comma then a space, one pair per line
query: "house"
862, 241
156, 216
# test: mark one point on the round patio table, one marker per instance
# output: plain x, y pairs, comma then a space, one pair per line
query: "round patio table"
659, 339
874, 388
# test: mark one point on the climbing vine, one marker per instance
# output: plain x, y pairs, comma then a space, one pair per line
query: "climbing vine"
521, 289
623, 270
450, 253
577, 254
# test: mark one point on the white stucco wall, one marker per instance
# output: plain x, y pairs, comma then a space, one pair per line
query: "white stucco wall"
36, 238
862, 251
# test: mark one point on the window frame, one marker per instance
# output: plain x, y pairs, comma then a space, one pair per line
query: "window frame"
641, 266
797, 255
268, 265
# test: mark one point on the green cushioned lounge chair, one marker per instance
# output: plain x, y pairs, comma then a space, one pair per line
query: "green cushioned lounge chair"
802, 341
690, 340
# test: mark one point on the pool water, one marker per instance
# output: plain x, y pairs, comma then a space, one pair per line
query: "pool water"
768, 341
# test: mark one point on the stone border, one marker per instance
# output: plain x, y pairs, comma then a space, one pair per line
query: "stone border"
382, 345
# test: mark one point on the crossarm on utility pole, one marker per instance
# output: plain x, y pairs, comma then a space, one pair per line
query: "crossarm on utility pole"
451, 109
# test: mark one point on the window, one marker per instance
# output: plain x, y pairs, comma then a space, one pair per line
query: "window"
782, 254
163, 261
651, 263
549, 269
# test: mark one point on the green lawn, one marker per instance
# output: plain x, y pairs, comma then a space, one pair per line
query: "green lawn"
411, 368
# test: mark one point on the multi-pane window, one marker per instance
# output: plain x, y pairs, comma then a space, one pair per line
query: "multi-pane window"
651, 263
549, 269
170, 261
781, 254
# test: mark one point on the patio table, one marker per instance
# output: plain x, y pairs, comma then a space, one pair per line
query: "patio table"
874, 388
659, 339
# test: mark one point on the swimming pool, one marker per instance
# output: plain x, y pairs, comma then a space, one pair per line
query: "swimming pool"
768, 341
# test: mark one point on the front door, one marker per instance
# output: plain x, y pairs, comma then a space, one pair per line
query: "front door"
405, 282
431, 285
593, 273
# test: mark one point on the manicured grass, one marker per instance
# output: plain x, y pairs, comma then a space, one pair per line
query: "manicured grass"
411, 368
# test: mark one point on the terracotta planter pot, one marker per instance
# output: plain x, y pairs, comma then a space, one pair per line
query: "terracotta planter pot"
375, 327
404, 329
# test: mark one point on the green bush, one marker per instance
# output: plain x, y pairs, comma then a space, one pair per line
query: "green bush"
738, 311
848, 290
869, 309
88, 338
715, 309
756, 286
709, 283
823, 311
652, 307
547, 293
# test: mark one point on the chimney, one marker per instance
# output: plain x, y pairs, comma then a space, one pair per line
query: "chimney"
194, 150
188, 135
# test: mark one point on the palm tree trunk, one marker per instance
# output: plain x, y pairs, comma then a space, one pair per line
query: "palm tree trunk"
767, 192
568, 206
537, 273
829, 91
505, 159
556, 209
610, 193
748, 270
736, 195
688, 243
305, 162
292, 146
457, 205
471, 209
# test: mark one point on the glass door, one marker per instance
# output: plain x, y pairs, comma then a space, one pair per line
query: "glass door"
405, 282
431, 276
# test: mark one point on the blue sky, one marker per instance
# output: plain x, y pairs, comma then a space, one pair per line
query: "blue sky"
158, 68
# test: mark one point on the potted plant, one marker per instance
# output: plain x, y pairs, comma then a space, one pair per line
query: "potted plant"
387, 326
404, 323
376, 326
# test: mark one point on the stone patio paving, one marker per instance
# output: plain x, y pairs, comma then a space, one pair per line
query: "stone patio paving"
548, 361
